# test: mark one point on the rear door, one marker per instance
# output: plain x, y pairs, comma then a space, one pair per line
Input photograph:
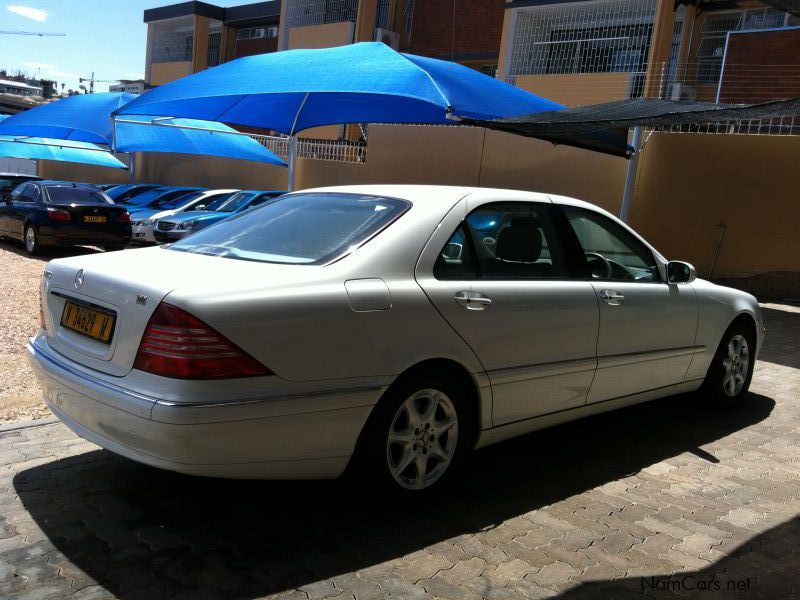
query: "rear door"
647, 327
499, 275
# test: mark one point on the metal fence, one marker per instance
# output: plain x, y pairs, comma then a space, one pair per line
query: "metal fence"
316, 149
300, 13
582, 37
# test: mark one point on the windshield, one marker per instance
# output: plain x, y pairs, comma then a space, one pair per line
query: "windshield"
145, 198
9, 183
312, 228
178, 202
66, 194
230, 203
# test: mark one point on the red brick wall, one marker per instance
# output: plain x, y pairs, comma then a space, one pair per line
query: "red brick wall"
478, 27
255, 46
762, 66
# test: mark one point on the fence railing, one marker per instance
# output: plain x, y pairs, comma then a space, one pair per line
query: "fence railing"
316, 149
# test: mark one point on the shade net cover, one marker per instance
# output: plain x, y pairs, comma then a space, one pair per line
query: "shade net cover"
59, 150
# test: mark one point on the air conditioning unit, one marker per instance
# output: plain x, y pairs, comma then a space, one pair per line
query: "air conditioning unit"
390, 38
681, 91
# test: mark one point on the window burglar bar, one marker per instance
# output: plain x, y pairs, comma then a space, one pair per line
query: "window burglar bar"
583, 37
301, 13
332, 150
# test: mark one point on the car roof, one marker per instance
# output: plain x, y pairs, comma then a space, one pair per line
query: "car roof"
64, 183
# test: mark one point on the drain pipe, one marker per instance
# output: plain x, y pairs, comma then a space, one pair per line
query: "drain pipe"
721, 228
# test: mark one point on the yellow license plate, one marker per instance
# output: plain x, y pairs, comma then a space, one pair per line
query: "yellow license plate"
94, 219
93, 323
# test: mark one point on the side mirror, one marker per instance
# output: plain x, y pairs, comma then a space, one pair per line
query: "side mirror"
200, 207
680, 272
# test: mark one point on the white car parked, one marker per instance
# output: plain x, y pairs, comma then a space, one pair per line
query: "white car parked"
144, 220
399, 326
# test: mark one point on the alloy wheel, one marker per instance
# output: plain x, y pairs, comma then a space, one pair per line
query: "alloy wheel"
736, 365
30, 240
422, 439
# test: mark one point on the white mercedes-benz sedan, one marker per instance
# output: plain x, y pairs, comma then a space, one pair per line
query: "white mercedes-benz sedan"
397, 327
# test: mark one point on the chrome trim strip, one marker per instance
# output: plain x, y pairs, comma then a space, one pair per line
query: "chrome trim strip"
41, 354
615, 360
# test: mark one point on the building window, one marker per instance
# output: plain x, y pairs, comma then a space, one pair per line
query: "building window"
583, 37
382, 14
490, 70
711, 50
301, 13
251, 33
214, 42
408, 16
172, 40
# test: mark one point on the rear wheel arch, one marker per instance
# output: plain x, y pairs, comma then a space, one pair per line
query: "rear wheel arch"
448, 368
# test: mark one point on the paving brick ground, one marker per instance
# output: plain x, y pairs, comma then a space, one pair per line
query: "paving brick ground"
674, 499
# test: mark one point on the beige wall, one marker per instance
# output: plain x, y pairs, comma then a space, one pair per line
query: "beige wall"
161, 73
689, 184
579, 89
321, 36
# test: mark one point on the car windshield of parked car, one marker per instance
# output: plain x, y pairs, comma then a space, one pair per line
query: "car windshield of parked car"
310, 229
144, 198
66, 194
9, 183
230, 203
178, 202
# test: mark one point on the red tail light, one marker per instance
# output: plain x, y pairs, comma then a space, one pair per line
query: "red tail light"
58, 214
178, 345
125, 217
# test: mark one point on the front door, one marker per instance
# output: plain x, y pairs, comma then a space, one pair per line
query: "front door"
647, 327
501, 279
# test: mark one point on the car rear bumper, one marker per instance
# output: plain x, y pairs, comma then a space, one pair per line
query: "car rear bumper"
93, 236
209, 440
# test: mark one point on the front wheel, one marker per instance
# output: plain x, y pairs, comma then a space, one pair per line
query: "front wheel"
32, 245
731, 371
419, 434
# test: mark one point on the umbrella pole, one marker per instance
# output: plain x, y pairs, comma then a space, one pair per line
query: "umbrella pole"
292, 161
630, 177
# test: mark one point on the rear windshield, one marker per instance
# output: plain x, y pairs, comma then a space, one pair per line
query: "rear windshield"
145, 198
309, 229
66, 194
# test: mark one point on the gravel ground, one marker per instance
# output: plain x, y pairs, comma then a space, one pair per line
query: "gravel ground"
20, 396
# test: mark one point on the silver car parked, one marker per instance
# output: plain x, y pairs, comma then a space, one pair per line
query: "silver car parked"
397, 327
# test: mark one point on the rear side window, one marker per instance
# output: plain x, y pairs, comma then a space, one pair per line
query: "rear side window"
310, 229
504, 240
66, 194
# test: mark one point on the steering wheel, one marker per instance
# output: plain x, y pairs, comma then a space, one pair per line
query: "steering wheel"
609, 269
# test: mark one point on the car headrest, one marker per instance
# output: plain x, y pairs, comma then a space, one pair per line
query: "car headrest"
520, 242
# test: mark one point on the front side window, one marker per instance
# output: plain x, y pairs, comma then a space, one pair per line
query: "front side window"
611, 252
505, 240
300, 229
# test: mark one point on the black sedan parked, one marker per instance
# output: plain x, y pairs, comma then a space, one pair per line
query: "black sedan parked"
58, 213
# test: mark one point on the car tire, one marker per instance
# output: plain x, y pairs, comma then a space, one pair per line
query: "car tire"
731, 371
31, 241
406, 434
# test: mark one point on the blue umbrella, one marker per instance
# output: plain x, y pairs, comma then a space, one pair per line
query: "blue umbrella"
62, 150
82, 118
87, 118
359, 83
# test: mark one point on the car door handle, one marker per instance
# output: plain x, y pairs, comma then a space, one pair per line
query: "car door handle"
612, 297
472, 300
